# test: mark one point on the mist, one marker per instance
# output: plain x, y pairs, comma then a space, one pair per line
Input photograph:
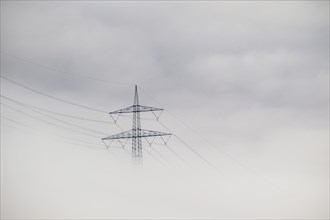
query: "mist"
245, 92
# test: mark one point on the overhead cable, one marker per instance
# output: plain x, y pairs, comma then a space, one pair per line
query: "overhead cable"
52, 112
50, 96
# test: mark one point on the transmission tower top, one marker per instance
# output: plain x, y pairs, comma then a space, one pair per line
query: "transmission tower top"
136, 133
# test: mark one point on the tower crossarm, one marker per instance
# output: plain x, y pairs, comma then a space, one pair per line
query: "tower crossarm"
130, 134
139, 108
149, 133
121, 135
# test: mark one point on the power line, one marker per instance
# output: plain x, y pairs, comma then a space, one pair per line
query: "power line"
79, 105
210, 144
177, 155
159, 154
69, 102
52, 112
65, 101
204, 139
68, 123
191, 149
62, 140
47, 122
33, 107
50, 96
59, 99
67, 140
155, 158
39, 130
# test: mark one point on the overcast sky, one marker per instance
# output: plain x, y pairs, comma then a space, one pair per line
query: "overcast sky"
244, 83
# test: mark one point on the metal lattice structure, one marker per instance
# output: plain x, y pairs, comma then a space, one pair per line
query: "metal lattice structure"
136, 133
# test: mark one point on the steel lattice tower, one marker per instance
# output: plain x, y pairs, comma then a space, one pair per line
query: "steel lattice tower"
136, 139
136, 133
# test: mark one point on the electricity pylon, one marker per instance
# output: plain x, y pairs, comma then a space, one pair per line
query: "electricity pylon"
136, 133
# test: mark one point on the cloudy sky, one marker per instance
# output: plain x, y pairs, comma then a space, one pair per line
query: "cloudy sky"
245, 84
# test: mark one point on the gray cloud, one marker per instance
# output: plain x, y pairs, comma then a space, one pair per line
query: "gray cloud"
252, 77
